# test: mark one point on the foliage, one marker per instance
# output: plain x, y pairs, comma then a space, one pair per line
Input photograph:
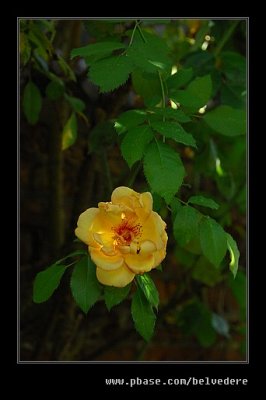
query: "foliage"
185, 132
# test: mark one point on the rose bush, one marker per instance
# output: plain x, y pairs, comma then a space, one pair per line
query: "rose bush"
125, 237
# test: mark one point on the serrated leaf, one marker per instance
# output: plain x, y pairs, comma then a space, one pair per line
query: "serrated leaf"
227, 121
135, 143
110, 73
129, 119
186, 224
114, 295
46, 282
163, 169
148, 86
220, 325
151, 55
173, 130
69, 135
54, 90
196, 94
32, 102
149, 289
97, 49
143, 315
234, 254
170, 113
181, 78
203, 201
213, 240
76, 104
84, 285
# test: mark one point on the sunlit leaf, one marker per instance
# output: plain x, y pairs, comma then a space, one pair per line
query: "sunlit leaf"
69, 132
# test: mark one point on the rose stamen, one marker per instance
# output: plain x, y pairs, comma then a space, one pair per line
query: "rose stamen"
126, 232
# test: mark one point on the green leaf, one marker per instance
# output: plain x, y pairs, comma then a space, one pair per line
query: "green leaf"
197, 93
149, 289
186, 224
205, 272
151, 55
163, 169
172, 130
77, 104
227, 121
170, 113
110, 73
114, 295
84, 285
97, 49
181, 78
32, 102
69, 132
46, 282
135, 143
203, 201
148, 86
213, 240
220, 325
129, 119
143, 315
54, 90
234, 254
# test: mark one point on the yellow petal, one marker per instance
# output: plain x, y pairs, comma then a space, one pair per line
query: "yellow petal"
146, 201
153, 229
147, 247
106, 262
85, 222
139, 263
119, 277
159, 256
124, 195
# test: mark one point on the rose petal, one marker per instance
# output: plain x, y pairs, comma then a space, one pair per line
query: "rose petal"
139, 263
108, 263
85, 222
119, 277
146, 201
124, 195
159, 256
153, 229
147, 247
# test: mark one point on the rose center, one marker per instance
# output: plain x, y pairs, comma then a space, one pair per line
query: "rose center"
126, 232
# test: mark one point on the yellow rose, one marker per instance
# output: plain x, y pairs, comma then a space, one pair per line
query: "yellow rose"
125, 237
